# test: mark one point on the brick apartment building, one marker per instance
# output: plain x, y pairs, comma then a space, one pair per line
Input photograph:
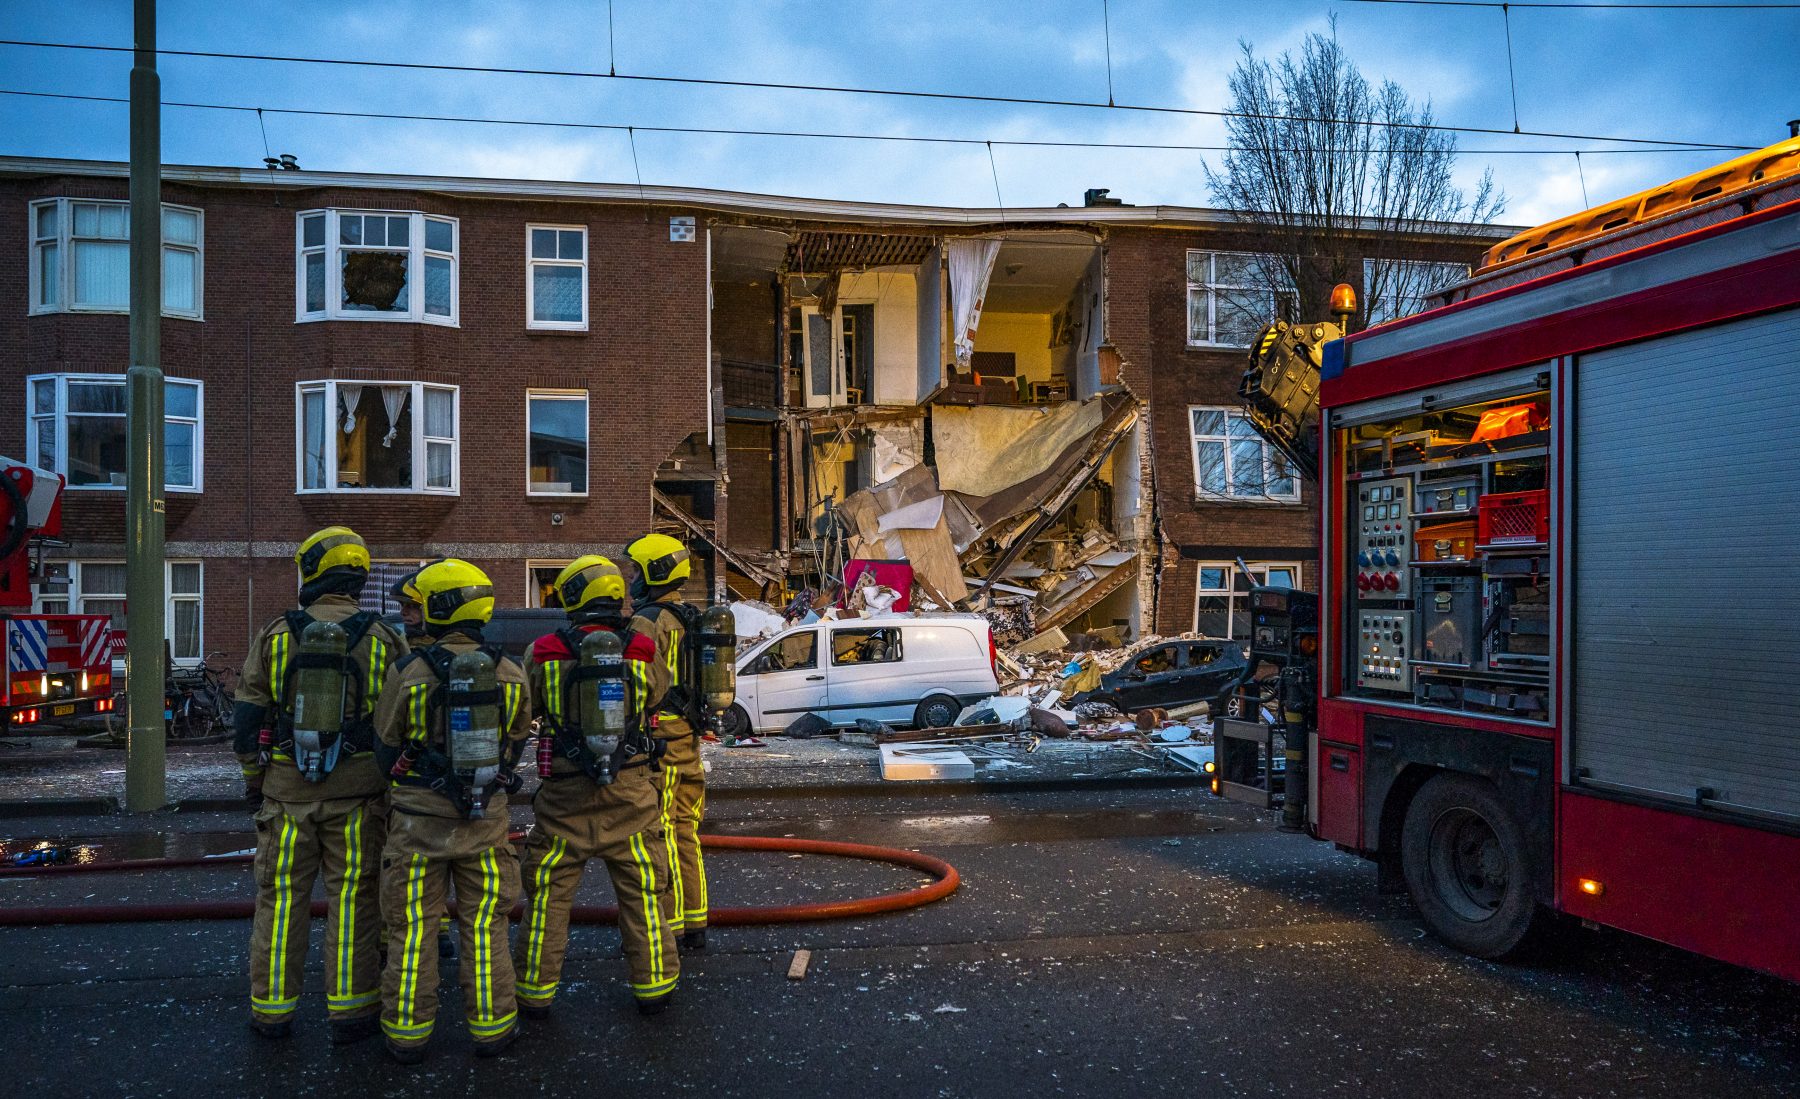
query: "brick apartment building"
518, 372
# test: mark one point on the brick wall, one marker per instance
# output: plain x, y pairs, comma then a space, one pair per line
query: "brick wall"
642, 360
1146, 303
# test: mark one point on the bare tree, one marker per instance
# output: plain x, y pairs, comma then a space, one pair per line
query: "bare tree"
1325, 169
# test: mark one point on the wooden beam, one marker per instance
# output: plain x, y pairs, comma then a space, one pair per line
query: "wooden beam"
698, 529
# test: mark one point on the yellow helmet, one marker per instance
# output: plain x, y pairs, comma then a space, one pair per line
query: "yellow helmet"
331, 548
586, 580
660, 559
453, 592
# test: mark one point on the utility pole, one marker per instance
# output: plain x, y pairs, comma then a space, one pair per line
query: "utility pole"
145, 764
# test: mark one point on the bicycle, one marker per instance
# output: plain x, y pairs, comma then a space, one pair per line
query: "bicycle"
198, 701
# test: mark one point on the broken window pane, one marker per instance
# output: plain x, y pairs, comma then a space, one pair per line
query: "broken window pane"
375, 281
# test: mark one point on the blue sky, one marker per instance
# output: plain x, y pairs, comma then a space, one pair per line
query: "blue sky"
1729, 76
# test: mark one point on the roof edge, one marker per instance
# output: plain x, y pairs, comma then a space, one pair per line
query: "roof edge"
737, 202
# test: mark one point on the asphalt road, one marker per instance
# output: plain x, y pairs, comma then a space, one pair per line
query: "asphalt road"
1149, 942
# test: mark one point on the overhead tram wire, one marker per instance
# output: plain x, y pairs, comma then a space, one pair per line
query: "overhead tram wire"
1580, 6
725, 131
908, 93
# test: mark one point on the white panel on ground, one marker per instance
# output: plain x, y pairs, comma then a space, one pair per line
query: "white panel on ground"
907, 763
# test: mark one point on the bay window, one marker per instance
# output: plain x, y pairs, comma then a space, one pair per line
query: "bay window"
376, 265
377, 437
75, 425
98, 587
81, 258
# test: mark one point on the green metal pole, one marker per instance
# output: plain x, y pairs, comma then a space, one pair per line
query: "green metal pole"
145, 763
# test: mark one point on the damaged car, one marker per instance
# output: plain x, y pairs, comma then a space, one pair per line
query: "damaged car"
1172, 674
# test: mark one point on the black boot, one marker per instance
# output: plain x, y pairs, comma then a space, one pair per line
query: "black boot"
693, 942
272, 1029
499, 1045
406, 1055
350, 1031
656, 1006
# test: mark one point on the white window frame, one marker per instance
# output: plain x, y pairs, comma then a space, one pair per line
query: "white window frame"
1396, 306
1235, 601
532, 597
532, 263
63, 241
72, 600
60, 419
586, 439
1270, 454
332, 249
420, 441
1281, 302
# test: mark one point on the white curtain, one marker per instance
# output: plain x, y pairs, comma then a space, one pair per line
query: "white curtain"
395, 400
971, 262
348, 396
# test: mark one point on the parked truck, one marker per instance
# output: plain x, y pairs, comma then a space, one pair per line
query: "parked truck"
58, 666
1550, 666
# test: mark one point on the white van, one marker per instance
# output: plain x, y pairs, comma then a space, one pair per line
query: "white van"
902, 669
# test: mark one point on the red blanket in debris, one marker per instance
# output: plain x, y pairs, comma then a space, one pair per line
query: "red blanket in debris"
895, 574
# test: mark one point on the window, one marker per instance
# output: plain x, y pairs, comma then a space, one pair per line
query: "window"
1221, 609
556, 458
1395, 288
75, 425
383, 574
872, 646
98, 587
1229, 297
81, 258
540, 579
1156, 661
377, 437
795, 652
556, 277
1232, 461
370, 265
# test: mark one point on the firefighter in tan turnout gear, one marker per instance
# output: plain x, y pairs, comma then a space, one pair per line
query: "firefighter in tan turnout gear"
304, 739
452, 725
663, 680
598, 798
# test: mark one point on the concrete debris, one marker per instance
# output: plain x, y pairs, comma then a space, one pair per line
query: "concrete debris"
1011, 711
755, 621
797, 967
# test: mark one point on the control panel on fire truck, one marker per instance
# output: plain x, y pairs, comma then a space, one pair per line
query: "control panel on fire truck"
1445, 530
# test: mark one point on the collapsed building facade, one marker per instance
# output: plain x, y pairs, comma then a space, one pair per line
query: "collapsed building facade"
1027, 411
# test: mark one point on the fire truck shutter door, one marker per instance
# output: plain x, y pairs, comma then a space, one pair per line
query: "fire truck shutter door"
1687, 545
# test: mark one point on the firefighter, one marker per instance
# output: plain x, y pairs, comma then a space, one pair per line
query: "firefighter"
412, 619
452, 726
598, 798
304, 738
406, 596
659, 659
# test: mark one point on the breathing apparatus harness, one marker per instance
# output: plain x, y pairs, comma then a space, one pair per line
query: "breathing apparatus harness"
323, 695
591, 726
706, 682
474, 762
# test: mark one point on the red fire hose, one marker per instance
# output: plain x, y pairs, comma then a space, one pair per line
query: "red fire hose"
947, 882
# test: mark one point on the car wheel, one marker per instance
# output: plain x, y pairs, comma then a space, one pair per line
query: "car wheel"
735, 722
1466, 866
936, 712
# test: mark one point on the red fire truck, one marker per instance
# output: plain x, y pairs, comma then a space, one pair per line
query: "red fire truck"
1554, 658
58, 666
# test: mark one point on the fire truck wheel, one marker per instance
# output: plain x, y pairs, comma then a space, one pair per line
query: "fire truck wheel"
1464, 857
